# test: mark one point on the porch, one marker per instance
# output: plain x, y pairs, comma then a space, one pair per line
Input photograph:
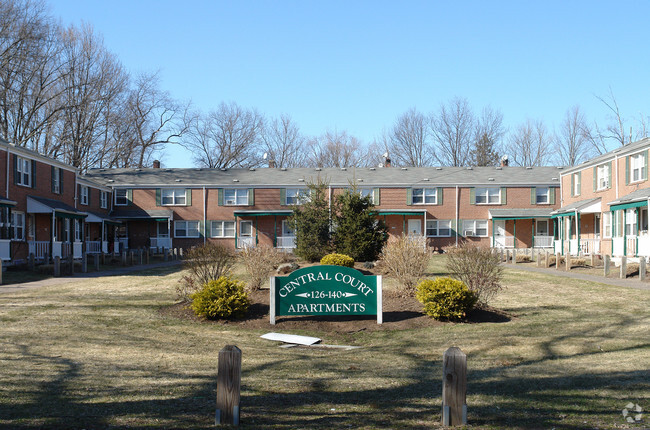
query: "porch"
628, 217
5, 228
139, 228
533, 226
255, 227
578, 228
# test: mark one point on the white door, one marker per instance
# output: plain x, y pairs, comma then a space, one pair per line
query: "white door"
499, 233
415, 227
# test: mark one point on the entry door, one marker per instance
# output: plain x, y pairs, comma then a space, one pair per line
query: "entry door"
499, 233
163, 229
415, 227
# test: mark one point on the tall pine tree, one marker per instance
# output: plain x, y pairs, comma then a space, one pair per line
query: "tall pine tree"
311, 221
484, 153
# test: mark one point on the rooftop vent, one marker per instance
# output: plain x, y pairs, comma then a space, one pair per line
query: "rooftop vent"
499, 168
360, 180
198, 170
560, 167
111, 180
344, 168
490, 179
102, 170
318, 169
284, 169
235, 180
438, 168
168, 170
178, 180
470, 168
404, 168
553, 179
138, 170
301, 180
252, 169
223, 169
372, 168
426, 179
529, 168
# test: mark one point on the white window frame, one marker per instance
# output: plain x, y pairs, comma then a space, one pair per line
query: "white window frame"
119, 191
103, 199
488, 193
424, 196
602, 177
471, 227
296, 196
77, 230
287, 229
220, 227
188, 227
17, 225
173, 197
440, 225
239, 197
24, 169
365, 192
576, 184
83, 195
539, 193
637, 166
537, 224
241, 233
630, 222
56, 181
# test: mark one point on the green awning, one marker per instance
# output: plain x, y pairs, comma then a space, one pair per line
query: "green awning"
111, 222
622, 206
400, 213
267, 213
564, 214
509, 218
60, 214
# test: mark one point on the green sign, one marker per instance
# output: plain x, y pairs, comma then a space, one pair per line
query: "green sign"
326, 290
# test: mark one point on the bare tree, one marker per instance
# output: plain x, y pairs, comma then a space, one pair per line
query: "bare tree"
453, 129
283, 143
529, 144
336, 149
571, 142
409, 141
227, 137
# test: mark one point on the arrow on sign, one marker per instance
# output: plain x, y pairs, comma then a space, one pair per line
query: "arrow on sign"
349, 294
303, 295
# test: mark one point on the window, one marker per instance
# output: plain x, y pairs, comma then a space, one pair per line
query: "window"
121, 197
602, 177
31, 229
23, 171
425, 196
173, 197
295, 196
236, 196
222, 229
56, 180
643, 220
186, 229
365, 192
83, 194
246, 228
542, 227
439, 228
475, 228
77, 230
287, 229
630, 222
18, 225
543, 195
490, 196
575, 183
103, 199
637, 167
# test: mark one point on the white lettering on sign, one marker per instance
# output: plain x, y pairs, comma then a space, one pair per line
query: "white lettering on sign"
326, 307
353, 282
320, 276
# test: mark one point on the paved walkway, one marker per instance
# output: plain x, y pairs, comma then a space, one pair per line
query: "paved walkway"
81, 276
630, 283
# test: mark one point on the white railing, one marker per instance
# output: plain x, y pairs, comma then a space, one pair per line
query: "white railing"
105, 247
573, 246
93, 247
287, 242
5, 249
77, 250
590, 246
246, 242
558, 246
543, 241
617, 246
39, 248
57, 249
509, 241
161, 242
631, 245
644, 246
116, 246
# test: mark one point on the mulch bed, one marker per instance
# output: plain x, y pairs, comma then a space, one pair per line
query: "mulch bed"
399, 313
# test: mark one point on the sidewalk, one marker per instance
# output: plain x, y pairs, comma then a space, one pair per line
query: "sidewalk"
81, 276
618, 282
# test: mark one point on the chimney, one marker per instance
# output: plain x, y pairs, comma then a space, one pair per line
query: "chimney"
156, 164
386, 162
504, 161
271, 164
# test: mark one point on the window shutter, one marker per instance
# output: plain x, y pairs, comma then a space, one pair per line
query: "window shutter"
472, 196
439, 198
202, 225
251, 197
375, 196
533, 195
453, 227
188, 197
551, 192
90, 191
220, 196
573, 184
579, 183
627, 170
645, 165
609, 180
79, 193
503, 196
595, 178
60, 181
33, 179
158, 197
129, 196
409, 196
52, 179
283, 196
15, 169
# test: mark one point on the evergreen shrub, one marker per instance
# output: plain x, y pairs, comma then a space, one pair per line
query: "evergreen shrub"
445, 298
224, 298
338, 260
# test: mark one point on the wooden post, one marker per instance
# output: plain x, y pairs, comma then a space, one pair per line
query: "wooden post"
103, 259
557, 260
123, 258
454, 387
593, 260
31, 262
228, 386
164, 251
623, 274
507, 256
514, 256
567, 261
71, 263
46, 258
1, 271
180, 253
641, 268
84, 263
606, 258
96, 261
547, 259
132, 257
146, 256
539, 258
57, 266
140, 257
175, 257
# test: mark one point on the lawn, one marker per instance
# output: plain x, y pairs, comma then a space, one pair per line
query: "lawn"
99, 353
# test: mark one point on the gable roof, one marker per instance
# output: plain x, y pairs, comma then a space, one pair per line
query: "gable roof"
630, 148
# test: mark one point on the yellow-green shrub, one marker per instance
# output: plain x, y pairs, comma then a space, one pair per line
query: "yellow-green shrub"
337, 260
445, 298
221, 299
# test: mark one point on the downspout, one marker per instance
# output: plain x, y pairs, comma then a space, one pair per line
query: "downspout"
616, 164
205, 226
7, 183
457, 203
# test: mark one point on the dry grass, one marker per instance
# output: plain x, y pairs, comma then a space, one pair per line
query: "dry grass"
98, 353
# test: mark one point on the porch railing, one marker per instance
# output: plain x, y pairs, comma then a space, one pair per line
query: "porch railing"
5, 249
590, 246
246, 242
57, 249
288, 242
93, 247
573, 246
543, 241
77, 250
39, 248
161, 242
644, 245
617, 246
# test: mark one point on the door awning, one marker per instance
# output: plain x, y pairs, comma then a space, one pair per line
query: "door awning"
406, 212
160, 215
264, 213
635, 199
6, 203
40, 205
588, 206
515, 214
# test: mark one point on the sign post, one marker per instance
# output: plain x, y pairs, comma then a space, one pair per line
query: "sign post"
326, 290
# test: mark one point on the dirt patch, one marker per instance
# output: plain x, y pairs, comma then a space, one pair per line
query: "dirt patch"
400, 313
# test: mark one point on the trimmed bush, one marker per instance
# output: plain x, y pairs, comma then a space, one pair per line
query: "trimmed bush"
337, 260
445, 298
224, 298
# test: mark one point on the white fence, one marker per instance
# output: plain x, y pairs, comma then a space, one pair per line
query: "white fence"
543, 241
590, 246
39, 248
246, 242
161, 242
287, 242
5, 249
93, 247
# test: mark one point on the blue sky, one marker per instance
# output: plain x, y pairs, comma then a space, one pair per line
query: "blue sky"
358, 65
